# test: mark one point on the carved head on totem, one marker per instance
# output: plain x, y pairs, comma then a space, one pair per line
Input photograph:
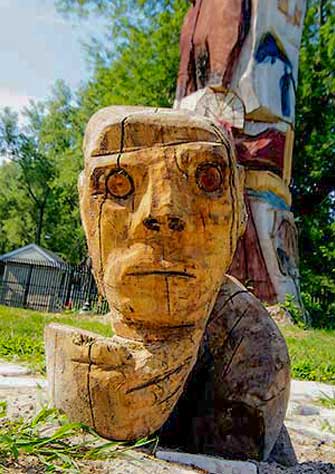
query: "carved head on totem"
162, 207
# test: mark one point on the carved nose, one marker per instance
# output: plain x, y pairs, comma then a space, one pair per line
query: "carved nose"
176, 223
152, 224
173, 222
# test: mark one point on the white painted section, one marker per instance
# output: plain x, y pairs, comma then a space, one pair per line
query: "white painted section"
258, 84
217, 104
255, 128
267, 220
210, 464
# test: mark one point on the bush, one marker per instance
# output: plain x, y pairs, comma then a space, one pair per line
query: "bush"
318, 296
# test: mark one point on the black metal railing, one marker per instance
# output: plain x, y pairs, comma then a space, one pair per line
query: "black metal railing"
50, 287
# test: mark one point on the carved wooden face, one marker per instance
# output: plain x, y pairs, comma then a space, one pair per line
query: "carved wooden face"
162, 225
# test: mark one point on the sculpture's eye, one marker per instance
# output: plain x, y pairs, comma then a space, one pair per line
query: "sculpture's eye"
209, 177
120, 184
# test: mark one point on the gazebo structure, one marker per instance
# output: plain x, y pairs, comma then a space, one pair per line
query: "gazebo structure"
33, 277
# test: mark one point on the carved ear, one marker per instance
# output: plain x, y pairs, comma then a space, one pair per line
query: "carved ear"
242, 210
93, 247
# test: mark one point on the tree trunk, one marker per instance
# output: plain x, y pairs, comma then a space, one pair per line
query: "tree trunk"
40, 216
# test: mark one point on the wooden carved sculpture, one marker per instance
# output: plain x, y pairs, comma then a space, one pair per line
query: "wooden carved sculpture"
194, 355
250, 49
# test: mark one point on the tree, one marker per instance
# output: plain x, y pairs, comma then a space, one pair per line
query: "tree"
137, 63
139, 59
34, 170
61, 133
314, 162
38, 192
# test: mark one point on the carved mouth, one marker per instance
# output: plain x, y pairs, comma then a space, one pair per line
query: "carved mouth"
163, 273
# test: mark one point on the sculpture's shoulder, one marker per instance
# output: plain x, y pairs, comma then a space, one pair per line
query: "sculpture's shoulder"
236, 307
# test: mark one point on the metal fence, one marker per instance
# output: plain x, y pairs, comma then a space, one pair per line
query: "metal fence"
51, 287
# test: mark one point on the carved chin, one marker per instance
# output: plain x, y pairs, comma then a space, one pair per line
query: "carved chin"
166, 298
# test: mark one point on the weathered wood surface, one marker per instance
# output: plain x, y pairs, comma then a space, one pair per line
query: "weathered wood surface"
162, 206
124, 389
236, 397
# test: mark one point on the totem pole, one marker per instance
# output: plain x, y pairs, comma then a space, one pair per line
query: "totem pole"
239, 66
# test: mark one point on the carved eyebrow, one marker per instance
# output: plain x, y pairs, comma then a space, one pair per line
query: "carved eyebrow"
102, 162
210, 153
127, 158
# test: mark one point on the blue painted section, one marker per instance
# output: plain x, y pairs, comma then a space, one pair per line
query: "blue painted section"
271, 198
269, 51
285, 83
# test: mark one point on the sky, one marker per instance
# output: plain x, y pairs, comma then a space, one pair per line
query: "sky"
37, 47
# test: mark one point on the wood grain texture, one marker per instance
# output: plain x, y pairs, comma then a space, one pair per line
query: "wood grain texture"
162, 205
236, 397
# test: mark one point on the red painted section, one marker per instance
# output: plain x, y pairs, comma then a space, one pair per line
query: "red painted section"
263, 151
249, 266
210, 44
211, 41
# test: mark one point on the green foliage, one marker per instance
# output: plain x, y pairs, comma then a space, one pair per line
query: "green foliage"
38, 195
296, 312
320, 301
312, 353
63, 449
21, 335
137, 63
314, 164
38, 187
328, 401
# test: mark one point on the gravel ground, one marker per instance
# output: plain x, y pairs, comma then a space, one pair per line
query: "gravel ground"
305, 468
306, 422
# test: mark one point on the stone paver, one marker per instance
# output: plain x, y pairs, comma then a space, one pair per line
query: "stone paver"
301, 390
21, 383
12, 370
306, 416
208, 463
24, 393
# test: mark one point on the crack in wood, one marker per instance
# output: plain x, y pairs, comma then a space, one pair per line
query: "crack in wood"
266, 400
225, 303
168, 295
170, 396
89, 385
123, 123
155, 146
160, 378
101, 271
227, 367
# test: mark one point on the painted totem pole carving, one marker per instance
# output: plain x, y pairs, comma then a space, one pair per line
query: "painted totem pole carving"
194, 355
250, 48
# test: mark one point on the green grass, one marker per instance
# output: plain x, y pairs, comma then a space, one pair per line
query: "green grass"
21, 333
50, 442
21, 339
328, 401
312, 353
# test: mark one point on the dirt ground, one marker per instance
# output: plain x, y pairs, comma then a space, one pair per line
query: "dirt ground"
314, 447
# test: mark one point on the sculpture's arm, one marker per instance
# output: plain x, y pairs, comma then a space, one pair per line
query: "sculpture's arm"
124, 389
